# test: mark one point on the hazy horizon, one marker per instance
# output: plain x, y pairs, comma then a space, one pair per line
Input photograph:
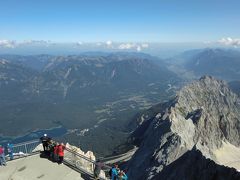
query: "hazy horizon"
117, 25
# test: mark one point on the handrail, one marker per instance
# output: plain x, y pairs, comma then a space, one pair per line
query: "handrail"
27, 142
23, 149
80, 155
84, 157
28, 148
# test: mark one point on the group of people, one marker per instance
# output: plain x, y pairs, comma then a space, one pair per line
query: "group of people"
53, 150
2, 154
117, 174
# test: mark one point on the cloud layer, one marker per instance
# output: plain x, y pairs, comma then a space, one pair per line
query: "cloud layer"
133, 46
99, 45
230, 41
7, 43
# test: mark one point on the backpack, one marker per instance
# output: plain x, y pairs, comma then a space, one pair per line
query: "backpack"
110, 172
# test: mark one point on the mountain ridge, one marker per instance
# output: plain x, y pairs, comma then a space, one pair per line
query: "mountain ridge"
203, 115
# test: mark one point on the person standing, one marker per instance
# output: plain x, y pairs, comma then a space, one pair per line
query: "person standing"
55, 153
45, 141
61, 149
10, 150
114, 172
2, 156
97, 169
51, 146
122, 176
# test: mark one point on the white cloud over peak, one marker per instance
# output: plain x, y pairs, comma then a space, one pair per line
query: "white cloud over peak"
7, 43
230, 41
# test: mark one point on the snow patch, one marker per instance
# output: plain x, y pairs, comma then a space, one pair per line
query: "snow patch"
67, 73
221, 93
82, 132
113, 73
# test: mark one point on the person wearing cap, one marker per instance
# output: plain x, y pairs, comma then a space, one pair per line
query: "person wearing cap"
2, 157
45, 140
10, 150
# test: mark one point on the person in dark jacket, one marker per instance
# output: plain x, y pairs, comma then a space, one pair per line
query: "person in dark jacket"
51, 146
45, 141
55, 152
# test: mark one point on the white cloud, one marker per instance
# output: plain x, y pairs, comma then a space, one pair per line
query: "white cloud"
133, 46
139, 48
126, 46
79, 43
230, 41
37, 42
13, 44
7, 44
109, 43
145, 45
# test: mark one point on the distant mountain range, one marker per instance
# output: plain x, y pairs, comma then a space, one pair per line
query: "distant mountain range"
80, 93
95, 95
235, 86
221, 63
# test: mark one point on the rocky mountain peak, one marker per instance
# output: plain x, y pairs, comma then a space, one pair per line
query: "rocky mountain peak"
204, 116
212, 109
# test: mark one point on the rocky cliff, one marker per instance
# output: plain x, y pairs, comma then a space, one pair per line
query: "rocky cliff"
191, 136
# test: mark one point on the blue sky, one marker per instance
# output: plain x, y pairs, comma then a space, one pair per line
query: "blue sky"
119, 20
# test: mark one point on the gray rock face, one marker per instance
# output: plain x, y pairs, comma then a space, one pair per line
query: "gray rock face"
203, 115
198, 168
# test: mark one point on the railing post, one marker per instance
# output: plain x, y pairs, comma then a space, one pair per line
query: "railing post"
26, 149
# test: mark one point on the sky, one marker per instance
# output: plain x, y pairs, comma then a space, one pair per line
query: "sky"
167, 21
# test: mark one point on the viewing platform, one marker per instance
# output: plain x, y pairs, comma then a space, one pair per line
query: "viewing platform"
30, 163
36, 168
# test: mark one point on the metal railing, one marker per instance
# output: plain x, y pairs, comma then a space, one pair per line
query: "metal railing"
83, 163
72, 158
25, 149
